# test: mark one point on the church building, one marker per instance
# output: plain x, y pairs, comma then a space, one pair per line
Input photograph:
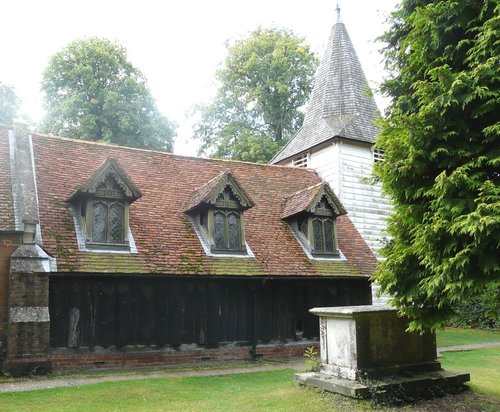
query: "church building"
119, 257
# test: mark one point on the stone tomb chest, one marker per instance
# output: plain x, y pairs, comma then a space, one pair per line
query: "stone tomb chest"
366, 346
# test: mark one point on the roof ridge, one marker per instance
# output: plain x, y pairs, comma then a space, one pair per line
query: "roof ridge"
212, 180
305, 189
112, 145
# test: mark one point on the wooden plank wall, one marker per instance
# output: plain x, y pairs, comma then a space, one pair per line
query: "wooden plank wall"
88, 311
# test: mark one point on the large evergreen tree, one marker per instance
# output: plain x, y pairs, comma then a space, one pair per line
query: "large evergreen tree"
93, 92
442, 159
265, 80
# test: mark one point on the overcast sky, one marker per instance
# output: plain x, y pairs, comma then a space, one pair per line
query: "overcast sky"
177, 45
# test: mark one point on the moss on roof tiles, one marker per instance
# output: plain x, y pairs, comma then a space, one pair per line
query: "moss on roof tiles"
235, 266
192, 262
110, 262
334, 268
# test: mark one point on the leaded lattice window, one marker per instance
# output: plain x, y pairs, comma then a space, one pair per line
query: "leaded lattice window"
233, 231
99, 222
227, 230
107, 222
323, 235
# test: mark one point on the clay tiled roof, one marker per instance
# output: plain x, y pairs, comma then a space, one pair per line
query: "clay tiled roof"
341, 103
305, 199
164, 235
6, 201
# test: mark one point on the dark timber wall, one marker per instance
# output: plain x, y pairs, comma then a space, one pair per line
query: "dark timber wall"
105, 311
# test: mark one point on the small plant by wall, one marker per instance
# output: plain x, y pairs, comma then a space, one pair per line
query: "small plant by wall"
313, 362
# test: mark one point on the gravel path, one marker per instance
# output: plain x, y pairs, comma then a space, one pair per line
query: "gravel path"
468, 347
47, 382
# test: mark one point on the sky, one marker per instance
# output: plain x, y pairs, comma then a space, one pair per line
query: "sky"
178, 45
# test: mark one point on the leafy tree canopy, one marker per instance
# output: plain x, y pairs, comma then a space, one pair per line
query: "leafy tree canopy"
265, 80
9, 103
93, 92
442, 157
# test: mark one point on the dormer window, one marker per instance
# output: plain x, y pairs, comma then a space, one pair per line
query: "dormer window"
223, 223
103, 201
312, 213
318, 230
218, 210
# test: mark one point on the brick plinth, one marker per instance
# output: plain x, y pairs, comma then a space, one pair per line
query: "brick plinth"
67, 360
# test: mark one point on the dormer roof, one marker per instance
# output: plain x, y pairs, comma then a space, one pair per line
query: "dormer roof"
109, 168
341, 102
306, 200
210, 191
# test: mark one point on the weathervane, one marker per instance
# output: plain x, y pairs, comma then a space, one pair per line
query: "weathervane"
338, 12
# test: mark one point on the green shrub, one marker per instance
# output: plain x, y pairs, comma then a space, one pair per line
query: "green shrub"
480, 312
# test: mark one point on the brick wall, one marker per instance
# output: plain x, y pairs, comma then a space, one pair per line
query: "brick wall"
116, 360
8, 243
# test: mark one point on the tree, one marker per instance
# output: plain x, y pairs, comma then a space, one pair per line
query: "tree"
9, 104
442, 157
93, 92
265, 80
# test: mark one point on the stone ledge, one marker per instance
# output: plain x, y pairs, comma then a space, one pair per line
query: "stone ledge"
417, 383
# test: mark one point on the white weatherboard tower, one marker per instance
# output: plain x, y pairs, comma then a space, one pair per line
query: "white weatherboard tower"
338, 134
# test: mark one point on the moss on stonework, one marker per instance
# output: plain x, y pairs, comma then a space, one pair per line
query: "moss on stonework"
234, 266
109, 262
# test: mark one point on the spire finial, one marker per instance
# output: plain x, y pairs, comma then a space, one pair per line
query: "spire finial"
338, 12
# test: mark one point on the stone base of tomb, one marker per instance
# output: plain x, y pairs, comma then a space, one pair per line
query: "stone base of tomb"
404, 385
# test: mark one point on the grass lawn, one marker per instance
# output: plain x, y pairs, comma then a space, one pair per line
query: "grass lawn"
460, 336
483, 366
260, 391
